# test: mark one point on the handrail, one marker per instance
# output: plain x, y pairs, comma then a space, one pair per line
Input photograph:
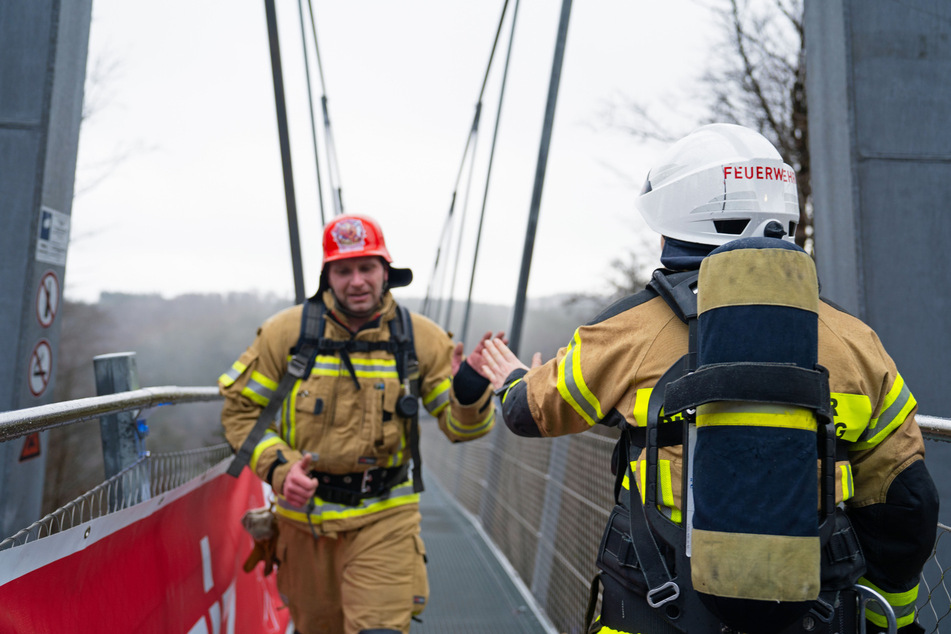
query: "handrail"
934, 428
18, 423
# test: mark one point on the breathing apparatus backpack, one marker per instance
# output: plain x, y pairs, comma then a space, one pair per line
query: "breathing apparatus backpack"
760, 545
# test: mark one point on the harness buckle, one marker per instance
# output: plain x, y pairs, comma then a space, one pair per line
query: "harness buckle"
823, 610
297, 366
667, 592
366, 479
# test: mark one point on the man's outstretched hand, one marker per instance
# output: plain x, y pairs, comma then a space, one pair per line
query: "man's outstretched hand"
475, 359
498, 361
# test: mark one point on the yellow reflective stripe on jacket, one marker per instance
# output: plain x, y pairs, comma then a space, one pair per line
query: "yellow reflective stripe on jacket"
478, 429
848, 485
438, 397
327, 365
641, 401
509, 387
851, 413
665, 488
604, 629
572, 387
903, 603
895, 409
396, 459
288, 415
259, 389
323, 511
231, 375
269, 440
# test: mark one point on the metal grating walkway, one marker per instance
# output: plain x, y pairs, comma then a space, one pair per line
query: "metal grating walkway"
470, 590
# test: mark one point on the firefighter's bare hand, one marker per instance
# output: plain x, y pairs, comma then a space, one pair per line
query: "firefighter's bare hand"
536, 359
299, 487
499, 361
477, 358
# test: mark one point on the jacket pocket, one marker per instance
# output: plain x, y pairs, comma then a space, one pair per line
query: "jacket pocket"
306, 415
420, 579
391, 429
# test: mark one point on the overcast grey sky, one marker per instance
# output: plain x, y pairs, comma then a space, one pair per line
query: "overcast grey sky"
179, 186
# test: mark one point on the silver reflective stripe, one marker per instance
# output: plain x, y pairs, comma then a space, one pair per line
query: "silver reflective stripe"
591, 413
438, 402
264, 392
330, 366
888, 416
231, 375
461, 430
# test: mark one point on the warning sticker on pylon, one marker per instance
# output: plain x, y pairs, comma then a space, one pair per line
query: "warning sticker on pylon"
31, 447
41, 367
47, 299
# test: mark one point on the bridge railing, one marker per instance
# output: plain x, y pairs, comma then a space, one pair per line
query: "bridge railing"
145, 476
545, 502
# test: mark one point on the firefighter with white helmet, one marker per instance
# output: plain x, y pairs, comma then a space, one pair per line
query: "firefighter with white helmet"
719, 184
342, 453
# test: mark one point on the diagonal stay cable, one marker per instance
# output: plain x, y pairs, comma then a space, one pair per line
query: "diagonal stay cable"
488, 175
310, 102
332, 164
473, 132
462, 223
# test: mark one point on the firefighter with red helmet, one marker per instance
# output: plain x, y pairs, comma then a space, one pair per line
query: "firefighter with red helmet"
339, 453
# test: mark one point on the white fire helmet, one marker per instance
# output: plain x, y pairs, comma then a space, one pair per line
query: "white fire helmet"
719, 183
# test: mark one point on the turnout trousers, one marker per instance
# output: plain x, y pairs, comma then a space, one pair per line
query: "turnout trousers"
372, 578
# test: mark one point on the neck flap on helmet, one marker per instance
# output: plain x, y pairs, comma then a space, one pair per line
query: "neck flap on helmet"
678, 255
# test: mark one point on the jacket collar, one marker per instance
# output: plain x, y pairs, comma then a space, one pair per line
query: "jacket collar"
385, 313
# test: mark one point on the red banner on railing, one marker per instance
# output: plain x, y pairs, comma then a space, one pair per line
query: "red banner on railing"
171, 564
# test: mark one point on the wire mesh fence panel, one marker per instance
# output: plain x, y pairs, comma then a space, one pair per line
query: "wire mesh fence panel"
585, 505
152, 474
511, 487
934, 599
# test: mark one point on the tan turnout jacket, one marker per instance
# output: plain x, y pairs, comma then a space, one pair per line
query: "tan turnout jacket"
349, 430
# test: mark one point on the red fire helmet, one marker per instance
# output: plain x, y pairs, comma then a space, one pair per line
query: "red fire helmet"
353, 236
357, 236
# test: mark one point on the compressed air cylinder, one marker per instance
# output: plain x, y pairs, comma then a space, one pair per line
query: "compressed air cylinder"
755, 483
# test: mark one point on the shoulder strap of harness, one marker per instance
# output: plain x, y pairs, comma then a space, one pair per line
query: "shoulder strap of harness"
678, 290
407, 367
299, 366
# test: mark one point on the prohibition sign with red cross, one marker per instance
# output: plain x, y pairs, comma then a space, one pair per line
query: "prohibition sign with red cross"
47, 299
41, 367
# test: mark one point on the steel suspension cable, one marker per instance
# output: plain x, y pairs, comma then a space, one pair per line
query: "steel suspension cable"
462, 224
488, 175
332, 165
447, 223
473, 132
310, 102
515, 333
283, 134
432, 280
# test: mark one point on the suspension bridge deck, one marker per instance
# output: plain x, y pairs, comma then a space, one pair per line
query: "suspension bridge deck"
471, 592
